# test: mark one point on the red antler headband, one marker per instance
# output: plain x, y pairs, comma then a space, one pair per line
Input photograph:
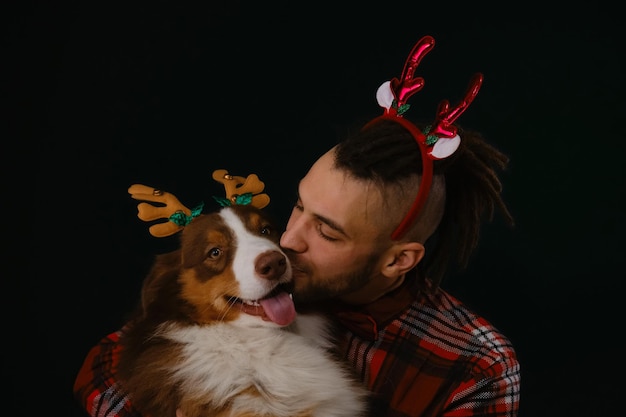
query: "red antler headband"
440, 140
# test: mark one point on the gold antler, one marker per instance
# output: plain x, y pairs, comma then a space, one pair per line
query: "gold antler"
239, 186
148, 212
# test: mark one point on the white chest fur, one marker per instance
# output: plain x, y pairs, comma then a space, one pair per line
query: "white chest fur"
261, 370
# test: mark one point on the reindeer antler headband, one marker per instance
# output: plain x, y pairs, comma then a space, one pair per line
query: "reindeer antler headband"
440, 139
239, 190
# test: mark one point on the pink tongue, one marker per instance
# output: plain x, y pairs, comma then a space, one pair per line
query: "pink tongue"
279, 309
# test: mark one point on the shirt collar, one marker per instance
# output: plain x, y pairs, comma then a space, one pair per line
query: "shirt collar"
368, 319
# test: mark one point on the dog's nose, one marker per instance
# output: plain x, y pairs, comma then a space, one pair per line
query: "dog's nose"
270, 265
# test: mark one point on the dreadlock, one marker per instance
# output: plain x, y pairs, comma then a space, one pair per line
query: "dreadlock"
386, 153
474, 193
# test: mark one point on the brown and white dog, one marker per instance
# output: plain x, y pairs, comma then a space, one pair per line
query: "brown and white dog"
217, 333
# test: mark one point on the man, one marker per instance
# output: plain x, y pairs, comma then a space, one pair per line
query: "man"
378, 218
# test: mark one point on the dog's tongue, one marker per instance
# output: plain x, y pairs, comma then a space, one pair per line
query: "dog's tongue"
279, 309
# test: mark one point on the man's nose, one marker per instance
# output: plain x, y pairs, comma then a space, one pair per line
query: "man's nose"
291, 238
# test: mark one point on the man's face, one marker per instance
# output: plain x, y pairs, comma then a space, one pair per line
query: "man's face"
332, 236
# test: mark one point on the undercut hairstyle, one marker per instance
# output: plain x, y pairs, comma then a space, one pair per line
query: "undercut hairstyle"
466, 190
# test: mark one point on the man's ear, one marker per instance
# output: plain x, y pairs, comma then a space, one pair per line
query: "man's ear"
402, 257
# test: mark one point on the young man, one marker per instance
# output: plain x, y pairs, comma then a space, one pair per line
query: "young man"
378, 218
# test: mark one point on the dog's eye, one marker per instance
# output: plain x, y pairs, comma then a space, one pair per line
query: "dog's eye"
266, 230
214, 253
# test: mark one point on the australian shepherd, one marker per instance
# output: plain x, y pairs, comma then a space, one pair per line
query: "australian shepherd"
217, 334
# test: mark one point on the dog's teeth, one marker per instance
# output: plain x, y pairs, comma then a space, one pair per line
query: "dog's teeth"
254, 303
291, 296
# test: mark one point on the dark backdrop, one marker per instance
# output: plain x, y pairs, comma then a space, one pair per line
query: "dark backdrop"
102, 95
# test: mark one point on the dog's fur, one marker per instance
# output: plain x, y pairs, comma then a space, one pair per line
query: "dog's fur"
195, 347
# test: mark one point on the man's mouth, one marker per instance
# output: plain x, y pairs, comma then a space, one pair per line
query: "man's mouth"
296, 271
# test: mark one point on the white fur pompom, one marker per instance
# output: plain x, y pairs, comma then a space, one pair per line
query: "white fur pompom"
384, 95
445, 147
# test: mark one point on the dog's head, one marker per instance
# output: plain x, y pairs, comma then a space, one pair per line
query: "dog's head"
229, 268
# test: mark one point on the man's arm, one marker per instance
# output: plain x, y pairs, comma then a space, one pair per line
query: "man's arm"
96, 387
495, 391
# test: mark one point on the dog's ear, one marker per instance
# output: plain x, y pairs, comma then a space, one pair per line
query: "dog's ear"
165, 269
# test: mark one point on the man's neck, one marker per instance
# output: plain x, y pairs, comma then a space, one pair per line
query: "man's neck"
373, 290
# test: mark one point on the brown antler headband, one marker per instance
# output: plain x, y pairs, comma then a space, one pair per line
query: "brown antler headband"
440, 140
239, 190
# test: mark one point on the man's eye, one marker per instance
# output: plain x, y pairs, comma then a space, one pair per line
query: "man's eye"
324, 235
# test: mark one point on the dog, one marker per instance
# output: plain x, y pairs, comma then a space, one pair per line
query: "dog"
216, 332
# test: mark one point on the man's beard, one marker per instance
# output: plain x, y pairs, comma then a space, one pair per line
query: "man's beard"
325, 288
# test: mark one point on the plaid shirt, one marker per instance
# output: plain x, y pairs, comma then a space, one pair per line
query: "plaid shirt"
426, 354
419, 354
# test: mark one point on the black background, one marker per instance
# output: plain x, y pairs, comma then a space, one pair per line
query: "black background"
101, 95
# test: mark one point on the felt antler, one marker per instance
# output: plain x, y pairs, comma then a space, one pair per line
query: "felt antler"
148, 212
241, 190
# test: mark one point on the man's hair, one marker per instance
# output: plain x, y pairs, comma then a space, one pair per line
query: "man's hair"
466, 189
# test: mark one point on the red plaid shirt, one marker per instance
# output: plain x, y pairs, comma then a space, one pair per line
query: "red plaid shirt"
419, 354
